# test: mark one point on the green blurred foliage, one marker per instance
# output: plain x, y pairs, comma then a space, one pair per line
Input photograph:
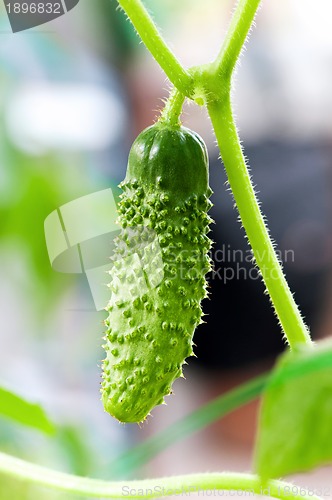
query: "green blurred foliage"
32, 187
15, 408
294, 433
79, 456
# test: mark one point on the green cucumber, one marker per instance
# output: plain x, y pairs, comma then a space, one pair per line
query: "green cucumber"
160, 261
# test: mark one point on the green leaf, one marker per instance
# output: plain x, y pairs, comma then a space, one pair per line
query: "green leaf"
295, 428
23, 412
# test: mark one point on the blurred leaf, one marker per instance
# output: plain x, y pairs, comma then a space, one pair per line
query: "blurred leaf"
11, 488
296, 415
76, 451
23, 412
35, 186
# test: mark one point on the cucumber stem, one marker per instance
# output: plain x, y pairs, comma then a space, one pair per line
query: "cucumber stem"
237, 33
171, 113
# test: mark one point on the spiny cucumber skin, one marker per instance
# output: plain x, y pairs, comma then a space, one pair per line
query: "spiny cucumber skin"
149, 337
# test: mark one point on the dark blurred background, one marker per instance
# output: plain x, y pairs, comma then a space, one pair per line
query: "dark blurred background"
74, 95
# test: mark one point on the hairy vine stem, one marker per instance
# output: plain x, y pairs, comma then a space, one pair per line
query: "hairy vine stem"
218, 77
282, 299
156, 45
148, 488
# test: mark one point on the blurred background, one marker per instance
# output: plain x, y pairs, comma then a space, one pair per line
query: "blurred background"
74, 94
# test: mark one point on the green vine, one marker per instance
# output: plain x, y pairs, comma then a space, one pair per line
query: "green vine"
154, 42
281, 297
